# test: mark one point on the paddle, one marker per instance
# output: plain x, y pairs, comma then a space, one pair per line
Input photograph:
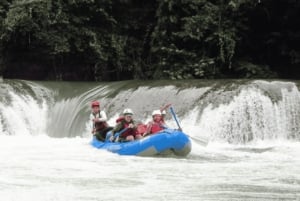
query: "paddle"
179, 127
116, 136
175, 118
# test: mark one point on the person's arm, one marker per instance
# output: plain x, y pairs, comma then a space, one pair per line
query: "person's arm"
148, 129
132, 125
117, 128
163, 125
165, 107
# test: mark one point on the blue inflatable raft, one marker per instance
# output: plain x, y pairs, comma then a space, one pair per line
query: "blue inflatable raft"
166, 141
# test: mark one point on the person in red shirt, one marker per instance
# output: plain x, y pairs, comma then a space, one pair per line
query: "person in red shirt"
157, 124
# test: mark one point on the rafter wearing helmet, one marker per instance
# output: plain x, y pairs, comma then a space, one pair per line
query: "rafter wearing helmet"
98, 120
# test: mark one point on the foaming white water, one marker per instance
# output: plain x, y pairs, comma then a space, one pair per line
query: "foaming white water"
23, 116
35, 168
252, 115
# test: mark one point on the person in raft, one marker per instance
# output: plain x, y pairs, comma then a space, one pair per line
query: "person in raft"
126, 126
157, 124
140, 126
98, 118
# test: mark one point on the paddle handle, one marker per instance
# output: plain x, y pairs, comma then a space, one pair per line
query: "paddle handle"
175, 117
116, 135
119, 133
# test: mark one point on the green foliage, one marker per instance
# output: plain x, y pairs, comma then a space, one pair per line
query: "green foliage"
190, 32
249, 70
59, 33
131, 39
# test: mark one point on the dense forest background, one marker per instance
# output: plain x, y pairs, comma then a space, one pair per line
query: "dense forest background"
106, 40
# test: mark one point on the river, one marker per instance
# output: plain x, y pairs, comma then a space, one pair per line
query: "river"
252, 128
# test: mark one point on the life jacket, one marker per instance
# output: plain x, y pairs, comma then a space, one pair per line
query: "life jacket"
156, 127
129, 131
121, 118
141, 129
100, 125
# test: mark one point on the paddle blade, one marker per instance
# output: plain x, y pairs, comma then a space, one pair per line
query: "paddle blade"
200, 140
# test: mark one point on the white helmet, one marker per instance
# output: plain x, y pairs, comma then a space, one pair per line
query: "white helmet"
163, 112
156, 112
127, 111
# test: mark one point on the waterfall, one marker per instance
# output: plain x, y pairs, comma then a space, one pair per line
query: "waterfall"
234, 111
23, 107
255, 113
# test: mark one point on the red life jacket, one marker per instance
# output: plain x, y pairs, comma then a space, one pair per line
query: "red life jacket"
100, 125
156, 127
121, 118
129, 131
141, 129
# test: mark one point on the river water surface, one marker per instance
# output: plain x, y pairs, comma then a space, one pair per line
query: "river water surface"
252, 130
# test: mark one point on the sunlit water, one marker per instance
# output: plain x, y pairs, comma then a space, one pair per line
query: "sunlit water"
37, 167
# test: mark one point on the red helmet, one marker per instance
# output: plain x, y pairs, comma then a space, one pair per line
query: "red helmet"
95, 104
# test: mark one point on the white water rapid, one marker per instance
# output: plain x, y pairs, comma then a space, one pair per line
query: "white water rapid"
252, 128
